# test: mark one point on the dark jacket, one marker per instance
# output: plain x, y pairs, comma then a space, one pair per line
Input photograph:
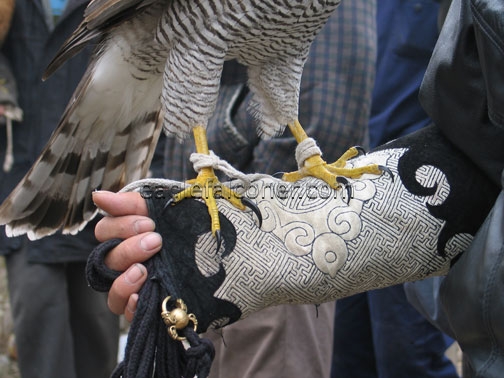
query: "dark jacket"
463, 88
463, 92
29, 46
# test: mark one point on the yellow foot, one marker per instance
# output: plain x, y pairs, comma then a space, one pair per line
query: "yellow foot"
207, 187
334, 174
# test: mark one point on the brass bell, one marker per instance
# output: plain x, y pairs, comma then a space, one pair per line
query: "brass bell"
177, 319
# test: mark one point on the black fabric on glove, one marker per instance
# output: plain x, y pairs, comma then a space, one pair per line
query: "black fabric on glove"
180, 226
172, 272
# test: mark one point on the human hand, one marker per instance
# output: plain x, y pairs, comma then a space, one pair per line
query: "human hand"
127, 220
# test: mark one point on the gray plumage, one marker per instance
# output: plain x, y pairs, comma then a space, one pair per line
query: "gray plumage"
158, 63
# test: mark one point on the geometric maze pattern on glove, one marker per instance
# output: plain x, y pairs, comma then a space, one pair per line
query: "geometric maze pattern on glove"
316, 248
317, 244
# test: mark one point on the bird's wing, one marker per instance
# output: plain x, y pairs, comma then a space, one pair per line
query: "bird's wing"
105, 139
100, 17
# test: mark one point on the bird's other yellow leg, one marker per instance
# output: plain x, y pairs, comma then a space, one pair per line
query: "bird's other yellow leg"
207, 186
315, 166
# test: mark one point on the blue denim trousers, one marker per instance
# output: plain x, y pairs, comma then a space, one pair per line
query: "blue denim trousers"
379, 334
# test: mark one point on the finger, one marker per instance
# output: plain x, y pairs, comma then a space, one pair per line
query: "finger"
131, 307
124, 286
135, 249
123, 227
117, 204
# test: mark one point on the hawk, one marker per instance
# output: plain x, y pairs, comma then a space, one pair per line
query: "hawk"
158, 66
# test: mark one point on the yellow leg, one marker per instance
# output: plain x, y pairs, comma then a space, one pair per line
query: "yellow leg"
206, 185
200, 140
315, 166
298, 131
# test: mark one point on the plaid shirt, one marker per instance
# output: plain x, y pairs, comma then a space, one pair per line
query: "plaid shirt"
335, 101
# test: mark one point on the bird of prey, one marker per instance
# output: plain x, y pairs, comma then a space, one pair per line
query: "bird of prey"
157, 66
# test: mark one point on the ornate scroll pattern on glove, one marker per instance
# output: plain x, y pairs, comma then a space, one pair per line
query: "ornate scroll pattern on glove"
317, 245
327, 247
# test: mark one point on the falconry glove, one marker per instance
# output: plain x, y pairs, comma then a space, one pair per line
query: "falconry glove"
315, 244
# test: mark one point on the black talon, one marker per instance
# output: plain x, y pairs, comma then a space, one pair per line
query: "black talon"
343, 181
168, 203
387, 170
278, 174
360, 150
252, 206
218, 237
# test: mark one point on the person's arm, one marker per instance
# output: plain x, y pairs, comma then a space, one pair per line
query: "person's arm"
128, 221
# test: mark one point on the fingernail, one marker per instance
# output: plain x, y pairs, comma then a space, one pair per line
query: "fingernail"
132, 303
151, 242
93, 195
134, 273
97, 192
144, 225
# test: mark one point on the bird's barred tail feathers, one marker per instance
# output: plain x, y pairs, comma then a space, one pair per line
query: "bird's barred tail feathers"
105, 139
56, 193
